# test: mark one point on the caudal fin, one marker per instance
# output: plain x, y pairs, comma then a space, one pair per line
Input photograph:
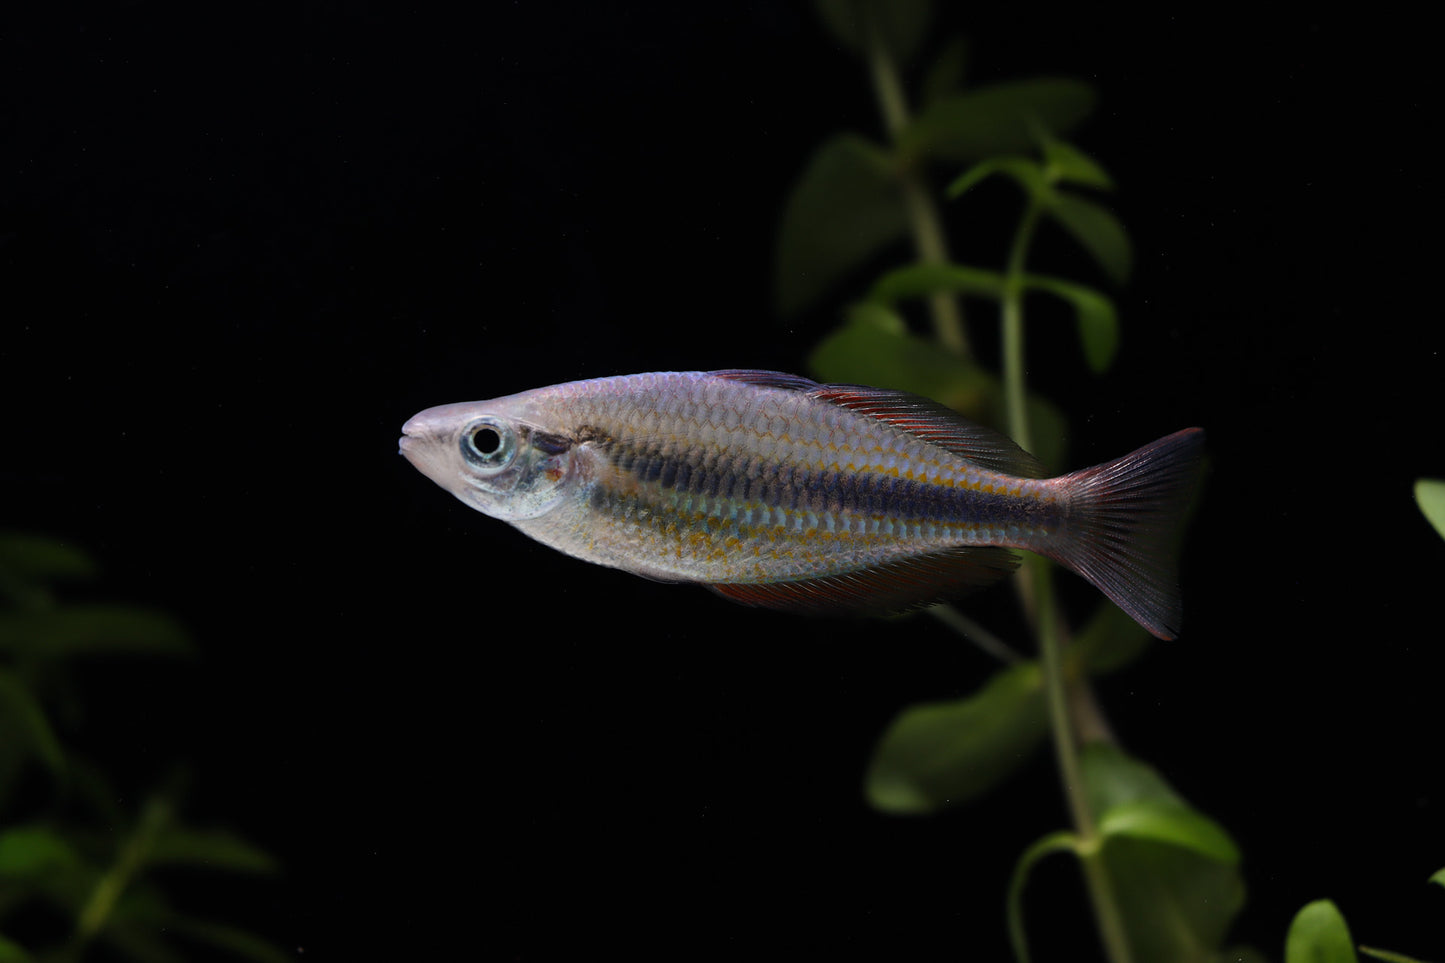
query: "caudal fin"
1123, 527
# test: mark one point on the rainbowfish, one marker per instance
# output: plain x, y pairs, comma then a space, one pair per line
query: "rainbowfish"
777, 491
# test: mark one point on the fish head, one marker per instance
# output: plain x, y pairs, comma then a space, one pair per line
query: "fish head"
493, 457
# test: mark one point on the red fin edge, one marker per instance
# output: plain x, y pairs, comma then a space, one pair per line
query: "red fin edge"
921, 417
885, 590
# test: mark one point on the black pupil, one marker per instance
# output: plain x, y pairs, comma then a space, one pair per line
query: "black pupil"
486, 440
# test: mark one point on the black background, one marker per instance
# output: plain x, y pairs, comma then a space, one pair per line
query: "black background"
241, 244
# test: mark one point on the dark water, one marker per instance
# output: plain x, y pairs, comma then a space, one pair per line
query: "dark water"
238, 251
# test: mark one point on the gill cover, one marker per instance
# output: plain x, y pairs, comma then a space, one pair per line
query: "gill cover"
513, 470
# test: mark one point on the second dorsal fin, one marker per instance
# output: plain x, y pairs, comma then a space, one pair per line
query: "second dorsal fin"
919, 416
766, 379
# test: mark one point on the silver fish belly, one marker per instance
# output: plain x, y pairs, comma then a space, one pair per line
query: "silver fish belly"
775, 490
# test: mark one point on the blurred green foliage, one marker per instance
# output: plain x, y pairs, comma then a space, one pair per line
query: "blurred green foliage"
1430, 496
81, 877
856, 199
1174, 869
1165, 879
942, 754
1319, 933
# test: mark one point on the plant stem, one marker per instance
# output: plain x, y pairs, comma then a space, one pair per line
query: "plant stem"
108, 889
1097, 880
923, 219
928, 240
975, 633
1014, 377
1038, 578
948, 328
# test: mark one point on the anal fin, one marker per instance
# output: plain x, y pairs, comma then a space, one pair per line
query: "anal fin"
884, 589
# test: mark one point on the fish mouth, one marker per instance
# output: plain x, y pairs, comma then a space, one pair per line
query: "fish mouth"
418, 449
410, 443
428, 438
412, 437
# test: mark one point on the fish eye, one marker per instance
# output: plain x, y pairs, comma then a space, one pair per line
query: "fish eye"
489, 444
486, 440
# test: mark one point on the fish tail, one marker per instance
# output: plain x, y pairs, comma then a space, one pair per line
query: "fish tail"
1124, 522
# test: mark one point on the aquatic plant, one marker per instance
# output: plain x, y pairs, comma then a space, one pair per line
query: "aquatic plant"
79, 872
1163, 878
1319, 933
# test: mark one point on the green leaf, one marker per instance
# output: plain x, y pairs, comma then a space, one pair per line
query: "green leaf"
1178, 899
25, 725
1063, 162
943, 753
1098, 230
920, 280
1319, 935
1113, 778
875, 348
31, 852
12, 952
1056, 842
845, 208
90, 629
214, 849
903, 23
1430, 496
1098, 322
1438, 877
1171, 824
42, 557
997, 119
1022, 170
28, 562
1176, 904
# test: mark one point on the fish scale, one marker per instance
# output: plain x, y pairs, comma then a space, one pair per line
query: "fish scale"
775, 490
768, 496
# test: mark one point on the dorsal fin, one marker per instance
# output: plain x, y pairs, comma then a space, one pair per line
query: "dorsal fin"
936, 424
885, 590
766, 379
921, 417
